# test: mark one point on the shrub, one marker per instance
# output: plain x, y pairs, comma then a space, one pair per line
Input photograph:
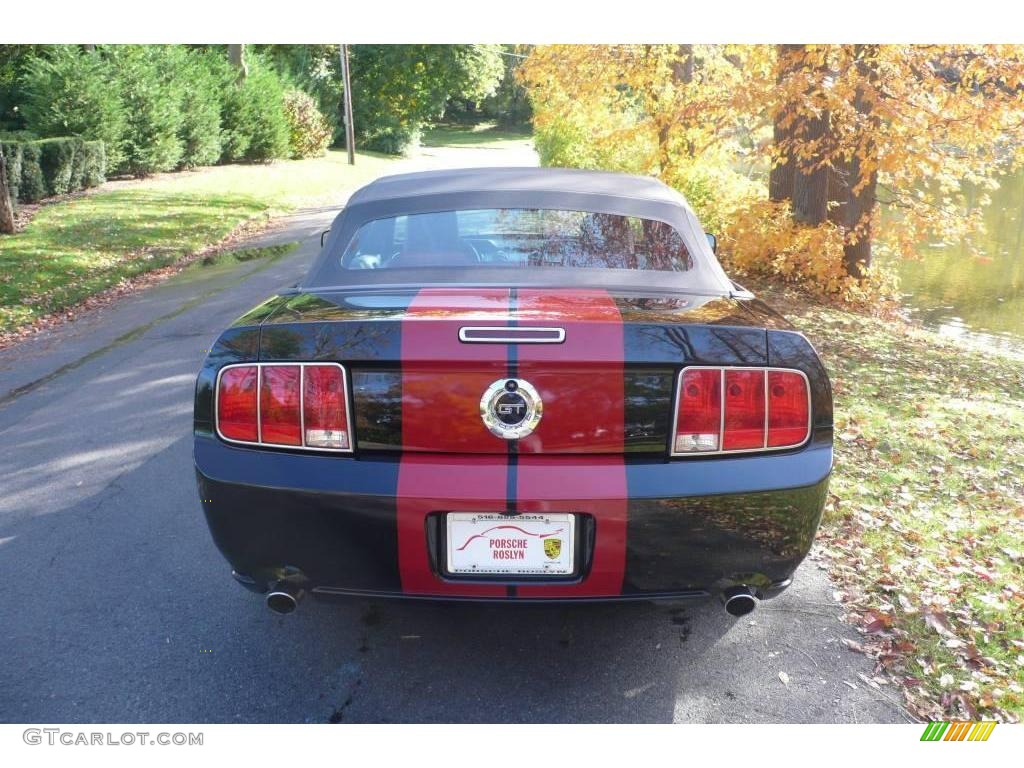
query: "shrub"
391, 135
236, 109
152, 98
19, 135
566, 140
87, 165
200, 131
38, 169
255, 128
309, 131
33, 184
94, 163
76, 177
66, 91
312, 69
57, 161
268, 132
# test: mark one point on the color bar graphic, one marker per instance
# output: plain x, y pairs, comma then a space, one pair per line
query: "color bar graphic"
958, 730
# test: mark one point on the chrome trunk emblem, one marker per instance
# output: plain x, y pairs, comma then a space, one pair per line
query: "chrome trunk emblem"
511, 408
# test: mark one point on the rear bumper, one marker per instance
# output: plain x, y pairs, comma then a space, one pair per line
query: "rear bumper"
653, 529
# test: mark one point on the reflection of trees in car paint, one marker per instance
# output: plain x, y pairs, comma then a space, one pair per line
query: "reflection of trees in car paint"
523, 237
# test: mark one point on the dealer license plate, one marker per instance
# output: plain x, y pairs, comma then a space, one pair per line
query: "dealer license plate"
513, 545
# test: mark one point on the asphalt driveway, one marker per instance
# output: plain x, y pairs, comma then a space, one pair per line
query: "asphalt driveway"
117, 607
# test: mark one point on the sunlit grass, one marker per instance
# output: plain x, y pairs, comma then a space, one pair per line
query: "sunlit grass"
925, 523
80, 247
77, 248
483, 135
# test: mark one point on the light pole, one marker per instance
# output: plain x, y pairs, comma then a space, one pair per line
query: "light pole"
350, 133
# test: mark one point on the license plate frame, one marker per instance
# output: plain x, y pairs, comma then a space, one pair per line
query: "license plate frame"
470, 533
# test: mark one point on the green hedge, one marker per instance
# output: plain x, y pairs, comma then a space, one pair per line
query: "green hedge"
48, 167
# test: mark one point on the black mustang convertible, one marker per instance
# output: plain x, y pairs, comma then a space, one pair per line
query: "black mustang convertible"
514, 384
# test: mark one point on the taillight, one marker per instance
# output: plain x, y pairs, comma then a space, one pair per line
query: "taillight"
788, 408
280, 423
291, 405
725, 410
325, 415
699, 414
236, 403
744, 410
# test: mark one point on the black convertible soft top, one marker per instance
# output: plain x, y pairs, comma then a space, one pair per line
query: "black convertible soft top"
551, 188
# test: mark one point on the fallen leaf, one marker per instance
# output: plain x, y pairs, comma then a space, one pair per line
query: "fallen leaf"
939, 623
874, 627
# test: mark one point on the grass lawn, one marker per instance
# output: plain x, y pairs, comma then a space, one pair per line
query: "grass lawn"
924, 529
73, 249
77, 248
478, 135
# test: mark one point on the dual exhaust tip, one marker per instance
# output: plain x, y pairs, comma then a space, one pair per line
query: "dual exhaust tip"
284, 598
739, 601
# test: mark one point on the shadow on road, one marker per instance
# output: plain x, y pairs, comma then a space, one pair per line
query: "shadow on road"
126, 612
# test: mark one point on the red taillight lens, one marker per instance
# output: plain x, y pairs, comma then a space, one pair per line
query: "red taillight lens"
719, 410
298, 405
236, 403
699, 419
279, 404
744, 410
325, 409
788, 408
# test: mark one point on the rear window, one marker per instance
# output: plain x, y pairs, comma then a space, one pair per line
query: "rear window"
517, 237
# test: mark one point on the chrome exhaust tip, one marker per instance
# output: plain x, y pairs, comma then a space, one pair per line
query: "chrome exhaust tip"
284, 598
739, 601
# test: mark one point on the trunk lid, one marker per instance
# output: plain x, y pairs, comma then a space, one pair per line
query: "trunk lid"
603, 364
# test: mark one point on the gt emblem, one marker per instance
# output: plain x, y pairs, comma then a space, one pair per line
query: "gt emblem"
511, 408
552, 548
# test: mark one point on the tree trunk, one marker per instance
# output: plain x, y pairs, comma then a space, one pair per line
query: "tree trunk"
838, 191
863, 177
811, 172
236, 55
810, 180
682, 67
682, 73
6, 207
780, 181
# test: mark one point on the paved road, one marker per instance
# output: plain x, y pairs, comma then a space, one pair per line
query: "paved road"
117, 607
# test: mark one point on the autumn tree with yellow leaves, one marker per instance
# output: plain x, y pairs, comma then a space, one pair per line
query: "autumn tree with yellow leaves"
794, 152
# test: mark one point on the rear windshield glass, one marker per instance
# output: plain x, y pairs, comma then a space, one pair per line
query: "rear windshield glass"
517, 237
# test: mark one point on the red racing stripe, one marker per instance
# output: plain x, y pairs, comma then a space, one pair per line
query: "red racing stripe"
582, 385
442, 382
444, 379
439, 483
